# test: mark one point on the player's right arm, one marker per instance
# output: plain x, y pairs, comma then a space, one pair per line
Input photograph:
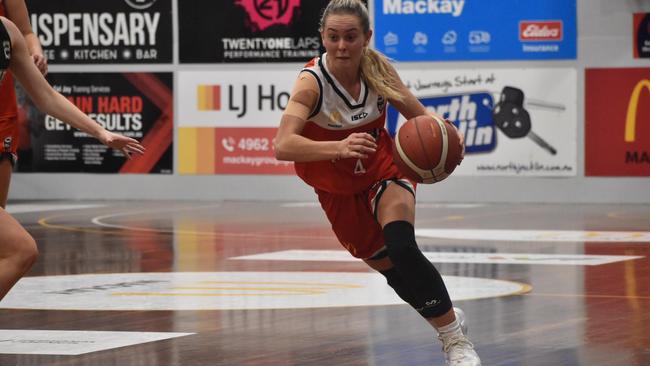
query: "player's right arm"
49, 101
291, 146
18, 14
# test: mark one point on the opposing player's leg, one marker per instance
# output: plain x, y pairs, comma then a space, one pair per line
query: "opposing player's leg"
5, 177
18, 252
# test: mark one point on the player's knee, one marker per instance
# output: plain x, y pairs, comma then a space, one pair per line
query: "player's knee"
21, 249
29, 252
399, 237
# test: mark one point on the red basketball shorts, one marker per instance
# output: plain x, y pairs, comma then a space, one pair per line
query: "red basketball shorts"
353, 217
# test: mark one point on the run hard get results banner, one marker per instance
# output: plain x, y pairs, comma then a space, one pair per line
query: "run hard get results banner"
137, 105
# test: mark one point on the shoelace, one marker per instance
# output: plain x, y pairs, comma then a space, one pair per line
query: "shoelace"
455, 340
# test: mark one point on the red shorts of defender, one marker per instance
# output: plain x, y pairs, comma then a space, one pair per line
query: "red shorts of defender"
353, 217
8, 138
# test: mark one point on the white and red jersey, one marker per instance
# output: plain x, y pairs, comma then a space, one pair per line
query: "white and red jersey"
8, 107
336, 116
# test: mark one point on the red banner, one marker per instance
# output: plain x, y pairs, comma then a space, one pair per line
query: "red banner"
247, 151
617, 122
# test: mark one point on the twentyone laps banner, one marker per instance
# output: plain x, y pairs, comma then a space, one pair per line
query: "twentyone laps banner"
137, 105
437, 30
103, 32
249, 30
617, 122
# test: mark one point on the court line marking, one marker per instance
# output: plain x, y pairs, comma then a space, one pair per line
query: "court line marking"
448, 257
130, 229
150, 291
595, 296
19, 208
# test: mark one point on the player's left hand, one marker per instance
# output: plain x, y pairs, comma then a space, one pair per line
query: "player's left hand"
461, 137
41, 63
126, 144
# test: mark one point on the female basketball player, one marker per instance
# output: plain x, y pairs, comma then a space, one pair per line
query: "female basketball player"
16, 11
333, 129
17, 248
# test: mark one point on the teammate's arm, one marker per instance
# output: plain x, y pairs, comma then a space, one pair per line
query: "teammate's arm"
18, 14
55, 104
290, 145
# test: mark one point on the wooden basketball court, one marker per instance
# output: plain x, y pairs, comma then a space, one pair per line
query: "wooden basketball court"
252, 283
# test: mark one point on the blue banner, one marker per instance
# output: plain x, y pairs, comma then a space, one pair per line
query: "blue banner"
470, 112
446, 30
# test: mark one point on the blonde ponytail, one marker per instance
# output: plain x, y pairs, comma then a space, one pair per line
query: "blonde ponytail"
377, 71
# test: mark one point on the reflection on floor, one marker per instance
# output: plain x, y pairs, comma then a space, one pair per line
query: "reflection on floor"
252, 283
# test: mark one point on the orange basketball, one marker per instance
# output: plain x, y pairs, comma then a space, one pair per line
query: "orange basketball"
427, 149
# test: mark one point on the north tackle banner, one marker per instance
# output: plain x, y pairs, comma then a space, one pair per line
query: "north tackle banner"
443, 30
137, 105
249, 30
103, 32
516, 122
617, 122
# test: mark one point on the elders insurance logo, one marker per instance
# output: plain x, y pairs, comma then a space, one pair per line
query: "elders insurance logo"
140, 4
266, 13
540, 30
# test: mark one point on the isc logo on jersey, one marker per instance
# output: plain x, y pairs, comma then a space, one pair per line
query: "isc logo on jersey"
360, 116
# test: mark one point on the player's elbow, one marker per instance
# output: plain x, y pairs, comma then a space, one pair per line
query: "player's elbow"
279, 148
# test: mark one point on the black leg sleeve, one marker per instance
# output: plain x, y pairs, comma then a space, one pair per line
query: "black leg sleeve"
429, 290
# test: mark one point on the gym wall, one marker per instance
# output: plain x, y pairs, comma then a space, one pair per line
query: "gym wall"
604, 40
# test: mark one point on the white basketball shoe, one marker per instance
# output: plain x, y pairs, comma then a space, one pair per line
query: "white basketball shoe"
458, 349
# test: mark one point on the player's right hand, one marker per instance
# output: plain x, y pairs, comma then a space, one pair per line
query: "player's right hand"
357, 145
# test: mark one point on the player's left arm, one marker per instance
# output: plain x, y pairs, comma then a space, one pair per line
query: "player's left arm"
410, 106
51, 102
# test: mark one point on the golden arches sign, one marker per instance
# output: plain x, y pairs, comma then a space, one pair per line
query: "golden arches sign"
632, 108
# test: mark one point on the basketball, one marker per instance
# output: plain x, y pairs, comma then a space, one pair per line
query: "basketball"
426, 149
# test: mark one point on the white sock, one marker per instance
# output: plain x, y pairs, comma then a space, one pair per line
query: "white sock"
451, 328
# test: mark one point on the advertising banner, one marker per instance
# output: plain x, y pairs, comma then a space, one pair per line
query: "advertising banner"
249, 30
617, 122
641, 35
442, 30
103, 32
137, 105
227, 121
516, 122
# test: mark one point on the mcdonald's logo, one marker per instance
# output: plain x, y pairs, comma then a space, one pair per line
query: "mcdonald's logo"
632, 109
